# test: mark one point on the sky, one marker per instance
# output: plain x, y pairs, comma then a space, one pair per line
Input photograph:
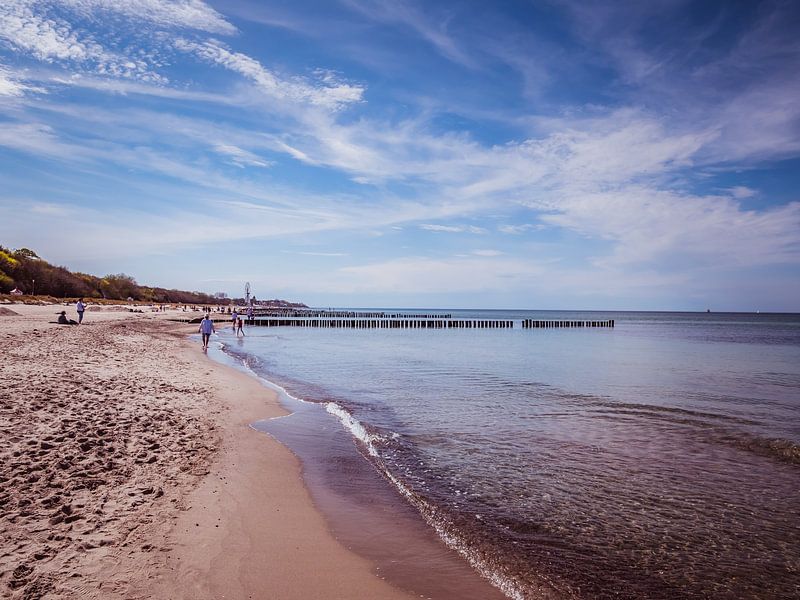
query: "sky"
556, 154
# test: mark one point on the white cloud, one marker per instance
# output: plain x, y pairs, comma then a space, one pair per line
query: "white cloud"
240, 157
79, 231
519, 229
328, 93
38, 139
125, 87
293, 152
744, 90
10, 87
649, 226
760, 123
11, 84
453, 228
48, 208
64, 31
571, 180
401, 12
643, 223
28, 28
45, 38
442, 228
330, 254
424, 275
741, 191
193, 14
487, 252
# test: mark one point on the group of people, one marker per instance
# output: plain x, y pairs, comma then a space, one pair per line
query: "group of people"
206, 325
80, 307
236, 320
237, 324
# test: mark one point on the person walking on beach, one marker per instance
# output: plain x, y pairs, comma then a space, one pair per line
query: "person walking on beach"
234, 318
239, 327
80, 307
206, 328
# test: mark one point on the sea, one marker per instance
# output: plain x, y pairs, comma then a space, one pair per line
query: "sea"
659, 458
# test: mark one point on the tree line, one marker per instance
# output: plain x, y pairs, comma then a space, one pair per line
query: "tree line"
24, 270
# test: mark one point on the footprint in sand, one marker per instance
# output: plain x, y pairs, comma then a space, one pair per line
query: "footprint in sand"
20, 576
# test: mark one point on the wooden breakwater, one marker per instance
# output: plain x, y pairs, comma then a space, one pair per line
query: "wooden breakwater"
343, 314
535, 324
390, 323
367, 320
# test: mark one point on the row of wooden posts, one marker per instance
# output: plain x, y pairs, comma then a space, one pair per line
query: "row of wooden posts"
416, 323
290, 317
532, 324
310, 313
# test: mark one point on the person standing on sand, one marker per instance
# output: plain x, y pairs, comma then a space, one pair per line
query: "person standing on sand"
80, 307
239, 327
206, 328
234, 318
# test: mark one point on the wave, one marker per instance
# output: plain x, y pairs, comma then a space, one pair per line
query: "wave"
717, 427
454, 536
484, 560
356, 428
655, 410
780, 449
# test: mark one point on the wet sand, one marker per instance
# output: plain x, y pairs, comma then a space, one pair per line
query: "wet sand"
368, 514
128, 469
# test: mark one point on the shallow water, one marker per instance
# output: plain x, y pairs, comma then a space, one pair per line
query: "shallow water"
656, 459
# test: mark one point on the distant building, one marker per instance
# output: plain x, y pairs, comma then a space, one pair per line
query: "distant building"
220, 295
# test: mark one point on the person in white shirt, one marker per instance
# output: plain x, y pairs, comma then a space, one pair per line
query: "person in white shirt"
80, 307
206, 328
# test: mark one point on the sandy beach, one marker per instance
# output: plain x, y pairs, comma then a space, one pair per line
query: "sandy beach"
129, 470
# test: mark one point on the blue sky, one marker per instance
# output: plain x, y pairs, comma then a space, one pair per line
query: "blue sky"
559, 154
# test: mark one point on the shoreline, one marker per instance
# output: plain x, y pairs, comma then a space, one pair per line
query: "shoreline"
362, 506
132, 476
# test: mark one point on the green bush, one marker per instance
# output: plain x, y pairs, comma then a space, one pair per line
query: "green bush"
6, 283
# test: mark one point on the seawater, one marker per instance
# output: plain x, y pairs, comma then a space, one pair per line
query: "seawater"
657, 459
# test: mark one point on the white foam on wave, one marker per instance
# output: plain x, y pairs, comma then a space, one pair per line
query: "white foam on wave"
426, 510
355, 427
280, 389
429, 515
